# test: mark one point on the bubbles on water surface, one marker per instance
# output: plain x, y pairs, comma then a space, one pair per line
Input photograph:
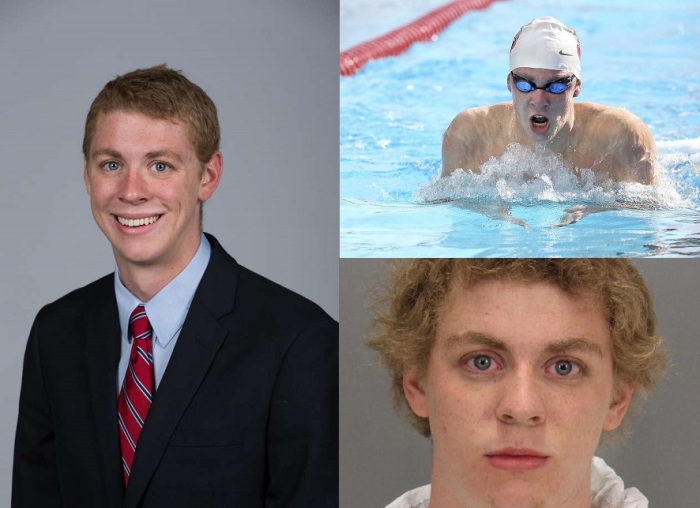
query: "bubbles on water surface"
525, 176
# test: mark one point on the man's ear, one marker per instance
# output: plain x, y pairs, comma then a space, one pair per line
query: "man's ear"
577, 88
618, 407
86, 177
211, 176
415, 390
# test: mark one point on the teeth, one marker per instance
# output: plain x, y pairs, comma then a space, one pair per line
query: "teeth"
132, 223
539, 119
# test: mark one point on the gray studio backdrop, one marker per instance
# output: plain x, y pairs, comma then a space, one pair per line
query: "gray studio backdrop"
380, 457
271, 67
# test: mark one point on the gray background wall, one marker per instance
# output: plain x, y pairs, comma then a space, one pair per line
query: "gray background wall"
380, 457
270, 66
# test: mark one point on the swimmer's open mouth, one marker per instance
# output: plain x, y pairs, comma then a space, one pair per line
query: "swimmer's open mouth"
539, 123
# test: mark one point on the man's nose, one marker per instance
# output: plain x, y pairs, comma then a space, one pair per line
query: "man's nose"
134, 188
521, 400
539, 99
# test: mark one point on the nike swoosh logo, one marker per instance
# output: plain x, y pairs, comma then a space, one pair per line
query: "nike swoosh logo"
561, 52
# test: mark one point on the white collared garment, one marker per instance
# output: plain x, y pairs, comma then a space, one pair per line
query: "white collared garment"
607, 491
166, 312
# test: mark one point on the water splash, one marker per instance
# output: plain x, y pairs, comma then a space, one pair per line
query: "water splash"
524, 176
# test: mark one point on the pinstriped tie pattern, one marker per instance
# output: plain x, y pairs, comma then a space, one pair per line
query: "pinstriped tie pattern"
136, 394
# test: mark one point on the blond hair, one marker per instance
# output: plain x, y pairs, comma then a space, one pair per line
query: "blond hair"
162, 93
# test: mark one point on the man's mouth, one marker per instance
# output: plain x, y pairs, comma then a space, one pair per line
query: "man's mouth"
511, 459
539, 123
135, 223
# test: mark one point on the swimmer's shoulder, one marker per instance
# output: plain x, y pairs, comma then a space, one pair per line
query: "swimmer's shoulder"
479, 120
470, 139
615, 123
610, 118
631, 144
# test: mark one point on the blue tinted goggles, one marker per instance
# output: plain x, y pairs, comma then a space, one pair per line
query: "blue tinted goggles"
555, 87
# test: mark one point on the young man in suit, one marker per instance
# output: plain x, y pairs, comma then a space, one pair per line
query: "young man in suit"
183, 379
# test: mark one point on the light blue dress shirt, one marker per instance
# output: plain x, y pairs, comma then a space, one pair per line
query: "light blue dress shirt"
166, 312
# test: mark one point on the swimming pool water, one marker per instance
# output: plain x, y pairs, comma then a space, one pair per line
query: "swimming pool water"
394, 111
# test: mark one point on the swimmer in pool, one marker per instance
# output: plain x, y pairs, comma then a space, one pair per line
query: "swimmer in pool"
544, 78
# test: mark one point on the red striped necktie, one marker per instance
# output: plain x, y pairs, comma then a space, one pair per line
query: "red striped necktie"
137, 390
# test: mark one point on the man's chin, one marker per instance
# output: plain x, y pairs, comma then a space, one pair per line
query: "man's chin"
543, 135
130, 255
523, 496
543, 140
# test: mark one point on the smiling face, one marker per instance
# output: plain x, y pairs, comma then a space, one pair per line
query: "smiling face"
146, 185
518, 389
544, 118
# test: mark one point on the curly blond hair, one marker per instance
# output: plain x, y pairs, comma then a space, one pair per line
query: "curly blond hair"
406, 319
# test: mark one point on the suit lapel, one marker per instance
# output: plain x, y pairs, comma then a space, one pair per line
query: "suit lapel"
102, 344
199, 342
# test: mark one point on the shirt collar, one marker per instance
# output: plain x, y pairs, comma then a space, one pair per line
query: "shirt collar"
168, 308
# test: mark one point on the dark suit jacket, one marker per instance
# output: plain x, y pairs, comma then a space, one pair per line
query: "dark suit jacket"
246, 414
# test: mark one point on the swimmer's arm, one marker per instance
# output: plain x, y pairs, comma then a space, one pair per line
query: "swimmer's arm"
577, 212
638, 156
455, 151
498, 211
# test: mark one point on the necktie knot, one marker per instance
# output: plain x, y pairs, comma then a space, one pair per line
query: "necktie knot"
139, 326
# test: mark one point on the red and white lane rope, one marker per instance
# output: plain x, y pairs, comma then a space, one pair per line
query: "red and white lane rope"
399, 40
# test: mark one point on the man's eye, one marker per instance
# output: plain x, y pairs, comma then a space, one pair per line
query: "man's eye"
565, 368
160, 166
481, 363
112, 166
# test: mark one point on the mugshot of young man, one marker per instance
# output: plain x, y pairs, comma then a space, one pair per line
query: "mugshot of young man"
183, 378
516, 369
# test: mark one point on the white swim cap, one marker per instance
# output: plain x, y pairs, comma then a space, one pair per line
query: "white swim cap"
546, 43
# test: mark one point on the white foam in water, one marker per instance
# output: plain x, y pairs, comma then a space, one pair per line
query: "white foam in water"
525, 176
691, 146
